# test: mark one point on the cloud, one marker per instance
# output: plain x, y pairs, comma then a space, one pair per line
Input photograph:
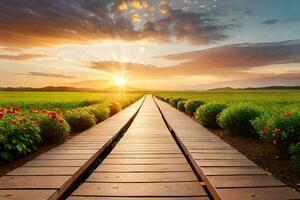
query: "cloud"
198, 28
235, 59
21, 57
44, 74
270, 22
48, 23
230, 61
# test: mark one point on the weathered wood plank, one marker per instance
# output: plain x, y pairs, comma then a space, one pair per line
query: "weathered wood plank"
43, 171
26, 194
144, 168
143, 177
32, 182
274, 193
140, 189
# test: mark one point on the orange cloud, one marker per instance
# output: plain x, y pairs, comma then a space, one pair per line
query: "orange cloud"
21, 57
122, 6
45, 74
135, 18
136, 4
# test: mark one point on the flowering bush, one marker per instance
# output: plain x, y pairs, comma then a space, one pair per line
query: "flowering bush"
237, 119
100, 113
279, 128
174, 101
207, 114
180, 105
80, 120
192, 105
114, 108
19, 135
54, 127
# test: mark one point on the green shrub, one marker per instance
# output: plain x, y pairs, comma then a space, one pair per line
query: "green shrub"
114, 108
100, 113
192, 105
237, 119
167, 99
54, 128
281, 129
294, 151
180, 105
80, 120
207, 114
174, 101
18, 135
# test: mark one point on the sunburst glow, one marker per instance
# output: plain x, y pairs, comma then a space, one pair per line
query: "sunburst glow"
120, 82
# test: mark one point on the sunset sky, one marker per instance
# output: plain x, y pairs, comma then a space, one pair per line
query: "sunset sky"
152, 44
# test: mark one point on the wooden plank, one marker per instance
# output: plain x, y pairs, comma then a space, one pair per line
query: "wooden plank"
55, 163
219, 156
225, 163
208, 171
45, 171
140, 189
136, 198
134, 156
144, 161
244, 181
64, 157
144, 168
274, 193
143, 177
26, 194
32, 182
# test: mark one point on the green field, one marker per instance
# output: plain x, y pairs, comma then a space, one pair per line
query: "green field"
62, 100
270, 99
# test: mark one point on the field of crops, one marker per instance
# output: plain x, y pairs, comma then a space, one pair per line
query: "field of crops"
272, 116
31, 119
61, 100
270, 99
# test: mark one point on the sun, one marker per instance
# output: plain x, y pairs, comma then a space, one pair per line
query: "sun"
119, 81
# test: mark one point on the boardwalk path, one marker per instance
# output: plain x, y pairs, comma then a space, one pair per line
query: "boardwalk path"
228, 174
49, 175
146, 163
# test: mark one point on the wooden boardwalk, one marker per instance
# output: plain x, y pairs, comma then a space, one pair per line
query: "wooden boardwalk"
49, 175
145, 164
228, 174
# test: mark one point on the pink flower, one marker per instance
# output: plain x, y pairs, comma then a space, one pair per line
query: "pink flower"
274, 142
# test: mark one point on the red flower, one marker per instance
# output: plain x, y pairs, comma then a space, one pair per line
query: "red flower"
53, 115
61, 121
2, 110
16, 110
273, 134
1, 115
14, 122
10, 110
277, 130
288, 114
274, 142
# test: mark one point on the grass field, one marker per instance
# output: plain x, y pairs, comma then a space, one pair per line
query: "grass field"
62, 100
270, 99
